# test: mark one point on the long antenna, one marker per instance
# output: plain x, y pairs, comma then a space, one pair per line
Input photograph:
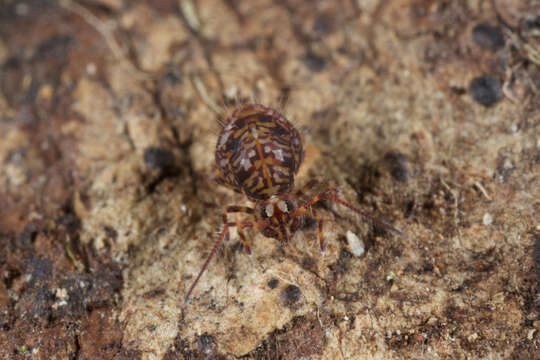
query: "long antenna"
224, 232
364, 214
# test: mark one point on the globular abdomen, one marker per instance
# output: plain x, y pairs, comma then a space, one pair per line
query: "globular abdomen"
258, 152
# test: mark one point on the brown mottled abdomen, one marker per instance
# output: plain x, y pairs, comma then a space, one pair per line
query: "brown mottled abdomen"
258, 152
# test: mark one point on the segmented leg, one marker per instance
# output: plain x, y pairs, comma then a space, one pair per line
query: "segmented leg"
247, 210
311, 184
244, 241
331, 194
236, 208
381, 223
223, 235
319, 229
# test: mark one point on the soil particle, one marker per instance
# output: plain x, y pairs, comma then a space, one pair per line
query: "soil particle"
291, 294
486, 90
273, 283
397, 165
488, 37
158, 158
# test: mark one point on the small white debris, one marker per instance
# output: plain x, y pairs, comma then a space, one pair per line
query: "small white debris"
231, 92
471, 338
487, 219
190, 14
62, 294
91, 68
391, 276
355, 244
530, 334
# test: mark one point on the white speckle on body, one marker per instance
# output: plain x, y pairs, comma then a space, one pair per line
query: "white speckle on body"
251, 154
254, 133
267, 149
282, 206
355, 244
278, 154
269, 210
224, 138
246, 164
487, 219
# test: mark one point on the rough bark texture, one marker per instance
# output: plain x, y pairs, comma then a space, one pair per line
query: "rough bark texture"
424, 113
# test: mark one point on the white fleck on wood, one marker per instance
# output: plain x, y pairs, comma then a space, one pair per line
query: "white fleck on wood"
355, 244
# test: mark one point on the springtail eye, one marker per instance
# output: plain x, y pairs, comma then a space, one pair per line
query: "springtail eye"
289, 205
